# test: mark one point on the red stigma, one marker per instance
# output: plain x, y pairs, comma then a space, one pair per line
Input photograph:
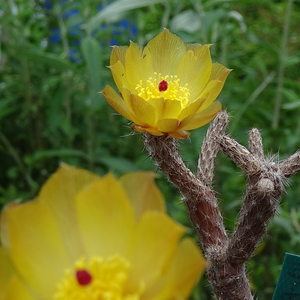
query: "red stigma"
83, 277
163, 86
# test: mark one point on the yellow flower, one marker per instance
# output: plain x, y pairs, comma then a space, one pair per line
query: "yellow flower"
166, 88
91, 238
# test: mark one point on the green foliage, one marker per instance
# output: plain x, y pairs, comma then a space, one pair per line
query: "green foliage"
50, 109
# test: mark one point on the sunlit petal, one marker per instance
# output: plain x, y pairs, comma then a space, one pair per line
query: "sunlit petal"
142, 192
118, 54
167, 125
166, 49
164, 234
17, 290
191, 109
118, 103
201, 118
195, 69
187, 265
36, 246
215, 85
118, 73
139, 65
106, 218
143, 110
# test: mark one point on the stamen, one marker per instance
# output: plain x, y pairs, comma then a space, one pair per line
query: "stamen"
83, 277
163, 86
168, 87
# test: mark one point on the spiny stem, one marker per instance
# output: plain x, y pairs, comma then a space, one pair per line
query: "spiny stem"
199, 199
210, 148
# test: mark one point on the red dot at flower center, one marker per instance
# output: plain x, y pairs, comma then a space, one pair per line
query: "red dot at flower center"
163, 86
83, 277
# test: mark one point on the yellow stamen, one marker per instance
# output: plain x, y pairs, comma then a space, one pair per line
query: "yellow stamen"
150, 89
108, 281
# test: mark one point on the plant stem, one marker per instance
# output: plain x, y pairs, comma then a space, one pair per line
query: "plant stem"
66, 49
12, 151
281, 69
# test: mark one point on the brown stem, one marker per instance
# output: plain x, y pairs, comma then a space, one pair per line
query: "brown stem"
264, 189
255, 144
199, 199
290, 166
210, 148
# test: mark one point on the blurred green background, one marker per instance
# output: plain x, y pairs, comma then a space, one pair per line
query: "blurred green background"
53, 58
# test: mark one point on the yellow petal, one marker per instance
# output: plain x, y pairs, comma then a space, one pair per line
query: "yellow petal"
166, 50
195, 69
143, 110
201, 118
146, 130
156, 240
185, 268
4, 234
214, 87
59, 194
6, 272
118, 103
106, 218
118, 73
192, 47
143, 192
17, 290
36, 247
138, 65
118, 54
165, 108
179, 134
168, 125
188, 265
191, 109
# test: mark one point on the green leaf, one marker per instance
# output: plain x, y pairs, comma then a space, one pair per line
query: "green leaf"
114, 11
118, 164
92, 54
48, 58
6, 107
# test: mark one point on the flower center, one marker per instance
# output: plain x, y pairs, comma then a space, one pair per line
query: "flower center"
168, 87
98, 279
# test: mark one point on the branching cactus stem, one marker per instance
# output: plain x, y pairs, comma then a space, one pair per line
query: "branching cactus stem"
226, 256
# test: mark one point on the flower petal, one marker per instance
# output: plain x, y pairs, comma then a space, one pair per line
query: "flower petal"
106, 218
118, 103
143, 192
156, 240
118, 73
179, 134
166, 108
166, 49
143, 110
195, 69
168, 125
201, 118
146, 129
59, 194
17, 290
191, 109
138, 65
36, 246
6, 270
214, 87
186, 266
118, 54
